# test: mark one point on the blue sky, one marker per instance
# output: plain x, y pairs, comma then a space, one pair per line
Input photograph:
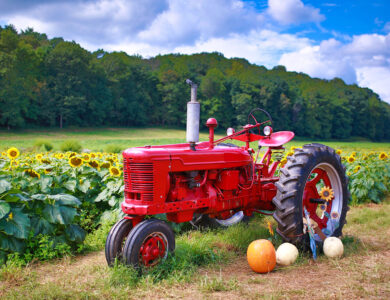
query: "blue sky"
348, 39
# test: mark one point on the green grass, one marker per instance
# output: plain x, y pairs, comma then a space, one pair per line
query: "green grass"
99, 139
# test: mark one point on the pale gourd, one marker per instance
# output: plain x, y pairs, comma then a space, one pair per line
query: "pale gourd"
333, 247
286, 254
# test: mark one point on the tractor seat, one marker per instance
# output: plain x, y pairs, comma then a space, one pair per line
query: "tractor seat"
277, 139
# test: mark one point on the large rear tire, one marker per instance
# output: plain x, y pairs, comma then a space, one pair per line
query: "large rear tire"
307, 171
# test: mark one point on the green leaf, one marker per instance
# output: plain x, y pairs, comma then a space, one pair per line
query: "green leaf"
70, 185
46, 183
84, 187
11, 244
42, 226
4, 186
4, 209
112, 202
18, 225
57, 214
75, 233
103, 195
40, 197
65, 199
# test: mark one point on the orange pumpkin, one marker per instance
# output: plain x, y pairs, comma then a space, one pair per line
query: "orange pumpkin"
261, 256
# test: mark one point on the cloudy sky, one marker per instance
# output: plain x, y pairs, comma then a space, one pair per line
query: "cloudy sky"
349, 39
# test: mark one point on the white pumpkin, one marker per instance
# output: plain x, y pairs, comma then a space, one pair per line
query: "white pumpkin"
333, 247
286, 254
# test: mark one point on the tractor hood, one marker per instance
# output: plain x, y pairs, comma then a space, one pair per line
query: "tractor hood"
182, 158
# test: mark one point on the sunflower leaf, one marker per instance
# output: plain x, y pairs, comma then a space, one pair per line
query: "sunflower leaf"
11, 244
84, 187
56, 214
18, 225
75, 233
46, 182
4, 186
70, 185
4, 209
65, 199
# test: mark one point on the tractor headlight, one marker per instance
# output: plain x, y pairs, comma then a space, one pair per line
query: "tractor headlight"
267, 130
230, 131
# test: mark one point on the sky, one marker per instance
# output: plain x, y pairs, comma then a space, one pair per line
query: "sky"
348, 39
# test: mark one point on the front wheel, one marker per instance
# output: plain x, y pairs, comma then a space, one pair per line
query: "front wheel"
148, 243
116, 240
312, 185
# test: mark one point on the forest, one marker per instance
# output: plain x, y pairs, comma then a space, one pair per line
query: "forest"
56, 83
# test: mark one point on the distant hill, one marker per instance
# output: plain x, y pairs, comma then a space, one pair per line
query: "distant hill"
52, 82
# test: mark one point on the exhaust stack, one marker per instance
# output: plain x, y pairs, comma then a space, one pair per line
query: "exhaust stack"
193, 115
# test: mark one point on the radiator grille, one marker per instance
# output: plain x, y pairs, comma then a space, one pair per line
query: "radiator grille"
138, 180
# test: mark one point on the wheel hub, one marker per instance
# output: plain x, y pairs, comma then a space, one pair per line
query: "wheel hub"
152, 249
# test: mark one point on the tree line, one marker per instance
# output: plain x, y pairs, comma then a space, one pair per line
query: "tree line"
56, 83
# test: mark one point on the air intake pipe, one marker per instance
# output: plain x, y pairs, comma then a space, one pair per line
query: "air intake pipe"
193, 116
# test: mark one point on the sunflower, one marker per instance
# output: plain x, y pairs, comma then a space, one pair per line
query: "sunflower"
93, 155
283, 162
293, 148
94, 164
86, 157
115, 171
339, 151
353, 154
13, 153
356, 169
32, 173
351, 159
105, 165
39, 156
326, 193
290, 153
75, 161
47, 171
383, 156
349, 174
60, 155
45, 161
72, 154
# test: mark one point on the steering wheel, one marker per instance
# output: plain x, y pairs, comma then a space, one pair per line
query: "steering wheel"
250, 115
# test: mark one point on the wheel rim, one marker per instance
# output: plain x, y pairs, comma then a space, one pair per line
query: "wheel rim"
327, 215
153, 248
236, 218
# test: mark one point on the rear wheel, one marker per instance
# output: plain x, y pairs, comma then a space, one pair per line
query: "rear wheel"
148, 243
116, 239
313, 179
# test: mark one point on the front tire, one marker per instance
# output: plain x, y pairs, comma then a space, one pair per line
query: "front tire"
307, 171
148, 243
116, 240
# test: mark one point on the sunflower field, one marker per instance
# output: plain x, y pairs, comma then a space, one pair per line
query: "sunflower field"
52, 200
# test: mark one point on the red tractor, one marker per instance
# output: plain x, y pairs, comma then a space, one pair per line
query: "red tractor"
226, 183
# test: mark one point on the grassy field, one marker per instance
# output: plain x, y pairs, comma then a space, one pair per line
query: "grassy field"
99, 139
363, 271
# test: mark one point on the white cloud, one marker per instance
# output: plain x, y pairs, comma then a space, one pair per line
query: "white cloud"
365, 60
293, 12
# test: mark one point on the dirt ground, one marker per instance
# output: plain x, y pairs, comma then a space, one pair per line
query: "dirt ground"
364, 274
